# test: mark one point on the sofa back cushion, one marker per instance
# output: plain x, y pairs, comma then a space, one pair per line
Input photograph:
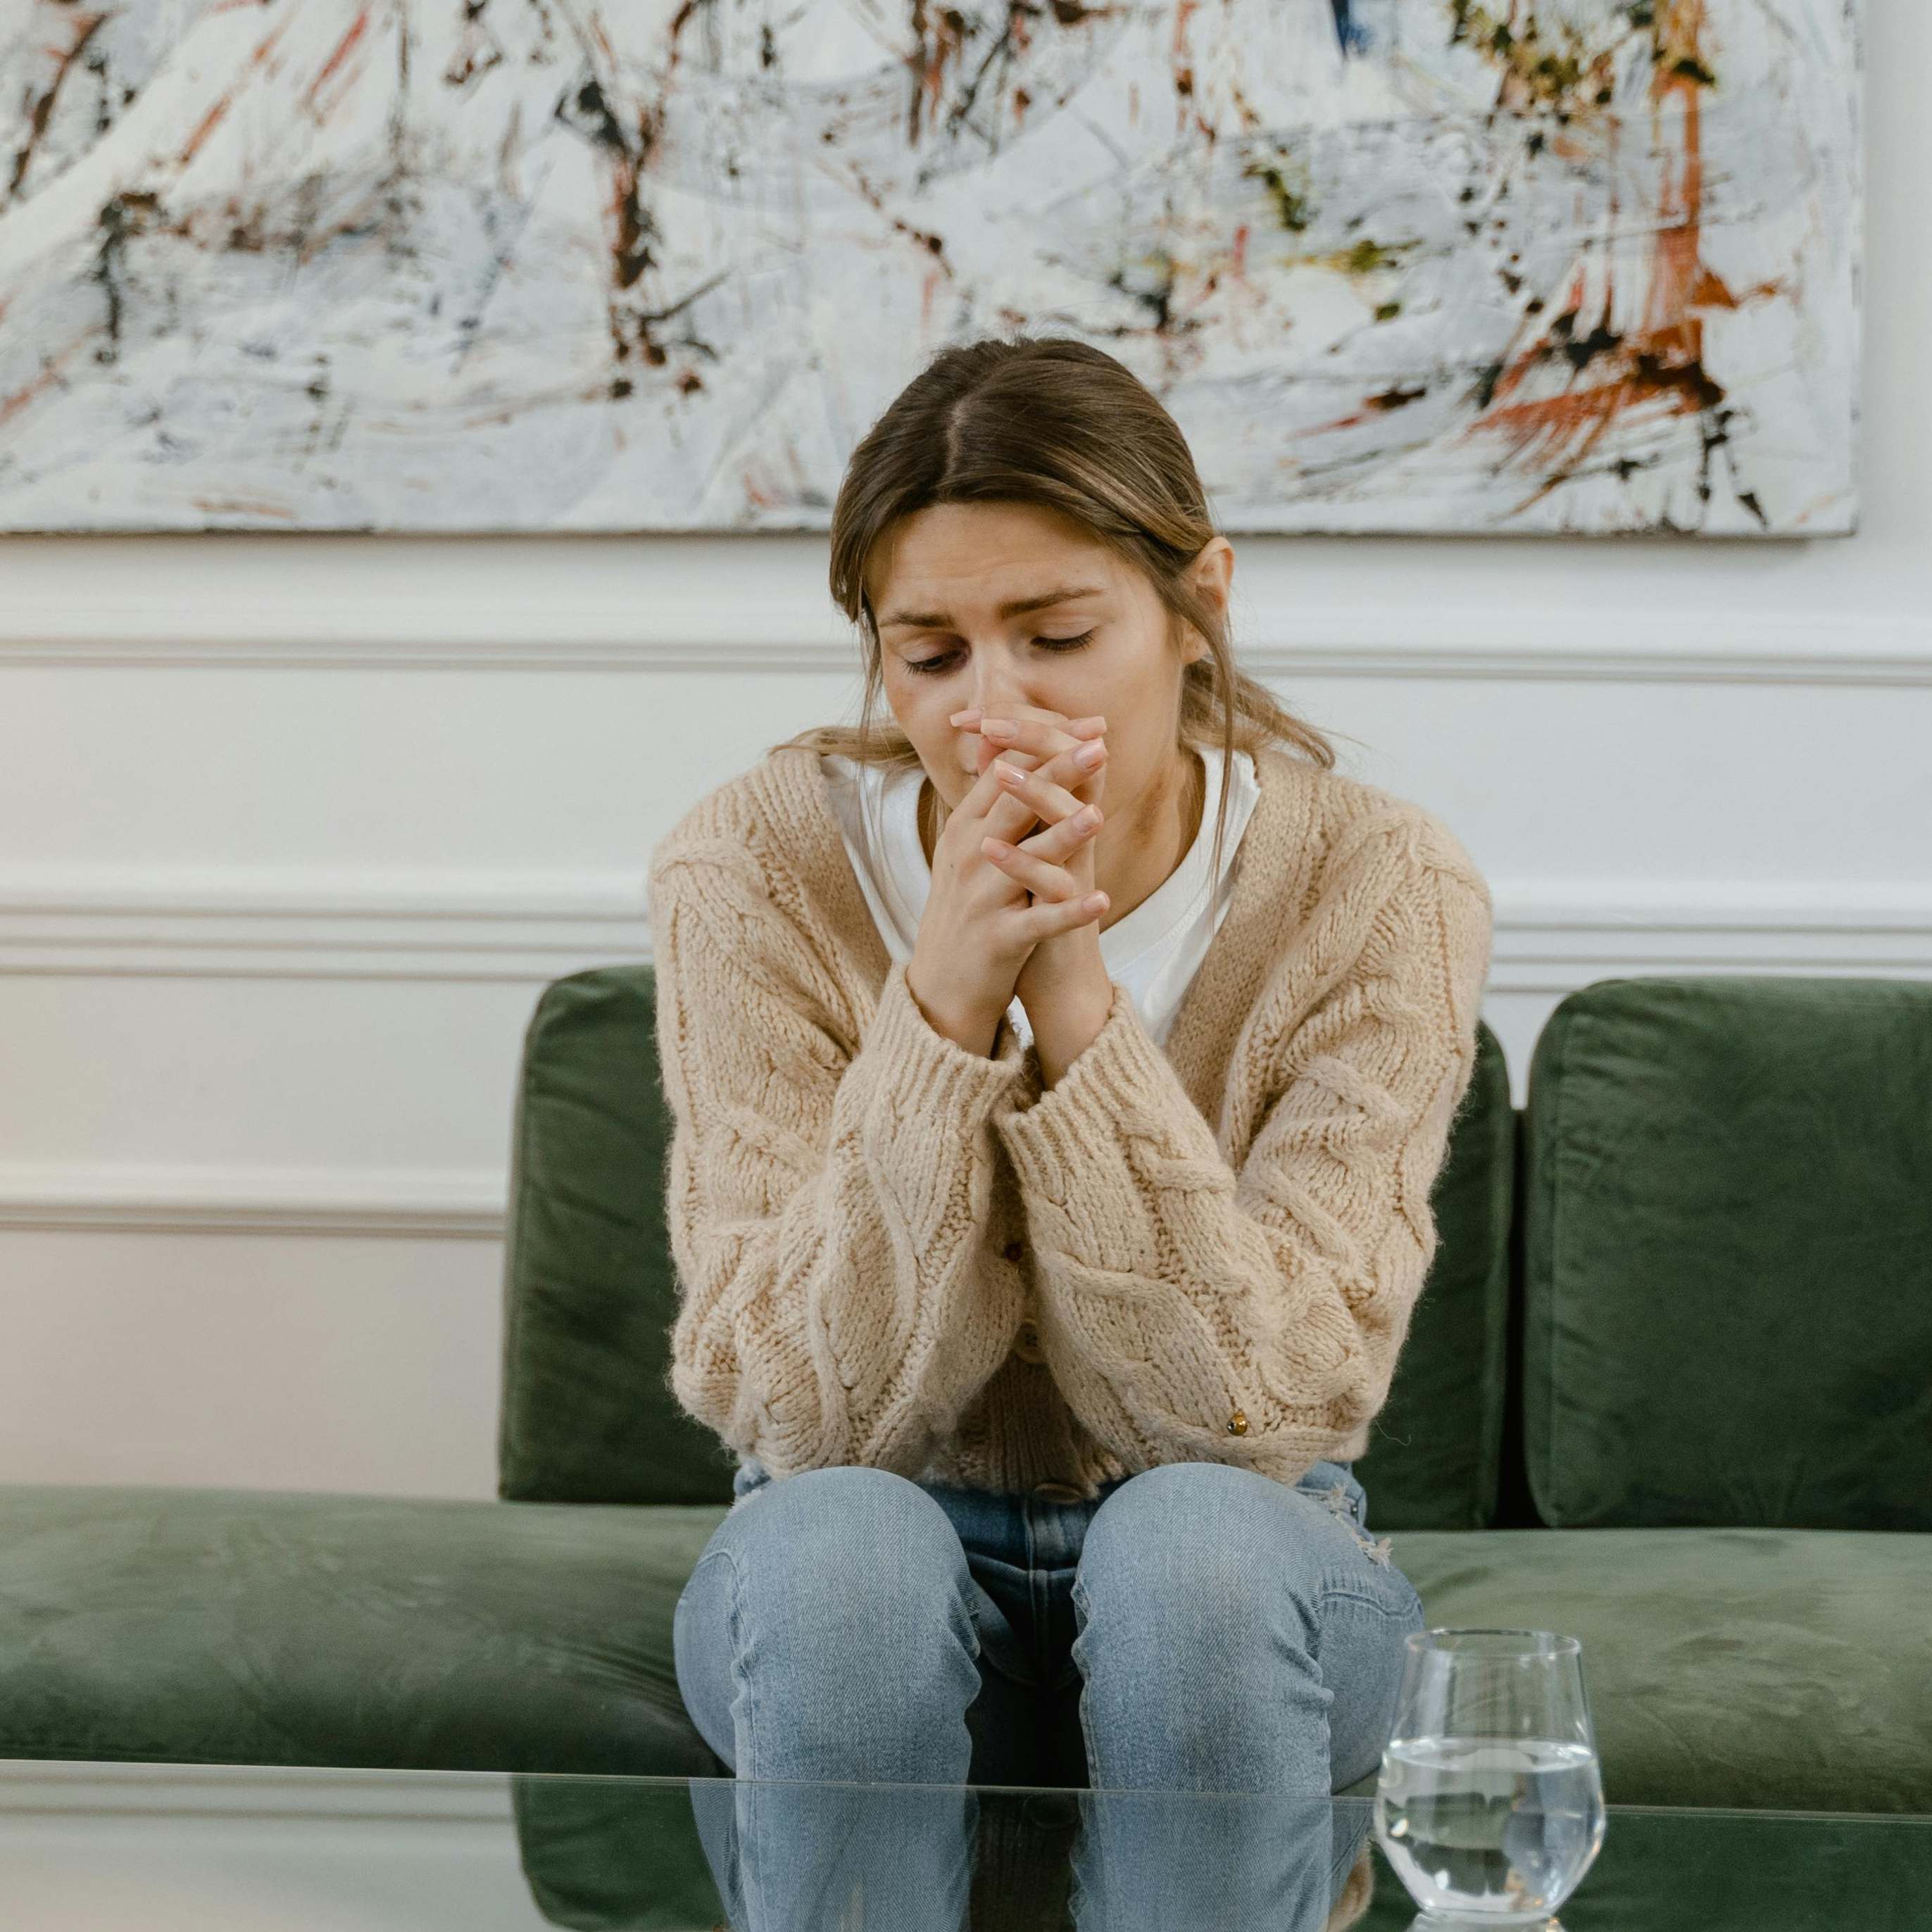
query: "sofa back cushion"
590, 1292
587, 1414
1728, 1254
1435, 1446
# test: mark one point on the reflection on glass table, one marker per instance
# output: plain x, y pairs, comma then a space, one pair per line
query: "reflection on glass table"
218, 1848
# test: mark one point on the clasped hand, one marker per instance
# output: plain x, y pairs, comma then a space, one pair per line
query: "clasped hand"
1013, 910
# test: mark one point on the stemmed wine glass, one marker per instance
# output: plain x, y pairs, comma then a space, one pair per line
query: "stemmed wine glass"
1489, 1804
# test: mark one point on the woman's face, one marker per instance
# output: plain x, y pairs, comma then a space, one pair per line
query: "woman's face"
941, 585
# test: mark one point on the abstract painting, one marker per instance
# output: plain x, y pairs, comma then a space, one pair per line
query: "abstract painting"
1393, 266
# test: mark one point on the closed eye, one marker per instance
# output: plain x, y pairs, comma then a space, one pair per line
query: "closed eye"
932, 666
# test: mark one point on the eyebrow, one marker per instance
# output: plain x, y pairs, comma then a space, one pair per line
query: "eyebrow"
939, 620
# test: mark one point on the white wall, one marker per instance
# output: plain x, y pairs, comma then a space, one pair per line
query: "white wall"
292, 831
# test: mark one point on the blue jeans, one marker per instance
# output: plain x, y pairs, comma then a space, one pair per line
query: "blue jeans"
1198, 1628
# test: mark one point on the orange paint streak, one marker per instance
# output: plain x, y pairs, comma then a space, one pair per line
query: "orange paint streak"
357, 28
201, 132
1676, 269
209, 120
217, 504
10, 405
1519, 371
1566, 428
1658, 364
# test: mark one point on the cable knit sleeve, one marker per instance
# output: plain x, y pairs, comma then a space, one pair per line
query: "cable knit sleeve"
825, 1196
1181, 1288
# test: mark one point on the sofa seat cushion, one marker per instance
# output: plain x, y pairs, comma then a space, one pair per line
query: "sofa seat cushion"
1749, 1667
250, 1627
1782, 1668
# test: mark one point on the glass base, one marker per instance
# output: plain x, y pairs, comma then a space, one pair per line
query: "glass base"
1440, 1921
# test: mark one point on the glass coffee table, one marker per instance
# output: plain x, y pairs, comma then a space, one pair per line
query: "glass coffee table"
98, 1847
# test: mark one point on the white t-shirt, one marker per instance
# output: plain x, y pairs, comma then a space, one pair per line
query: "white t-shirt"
1153, 952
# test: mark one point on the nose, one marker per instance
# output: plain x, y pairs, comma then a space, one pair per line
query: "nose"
998, 694
995, 687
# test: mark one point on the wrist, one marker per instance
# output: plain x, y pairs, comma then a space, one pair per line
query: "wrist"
1071, 1021
967, 1023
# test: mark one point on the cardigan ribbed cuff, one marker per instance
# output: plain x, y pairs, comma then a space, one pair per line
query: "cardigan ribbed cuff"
1119, 1076
926, 1074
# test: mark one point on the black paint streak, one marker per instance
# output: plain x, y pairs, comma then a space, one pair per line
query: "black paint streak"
41, 111
123, 215
1352, 36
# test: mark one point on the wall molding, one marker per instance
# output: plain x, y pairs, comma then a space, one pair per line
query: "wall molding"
1551, 937
292, 922
1466, 641
454, 924
237, 1197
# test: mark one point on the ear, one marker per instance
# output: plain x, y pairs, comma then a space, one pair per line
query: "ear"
1212, 569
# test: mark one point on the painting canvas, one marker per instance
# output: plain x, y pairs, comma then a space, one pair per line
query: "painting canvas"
1397, 265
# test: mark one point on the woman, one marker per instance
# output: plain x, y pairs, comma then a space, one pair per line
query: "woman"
1049, 1186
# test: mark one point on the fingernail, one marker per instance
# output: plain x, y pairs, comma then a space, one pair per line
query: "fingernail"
999, 728
1088, 756
970, 715
1096, 901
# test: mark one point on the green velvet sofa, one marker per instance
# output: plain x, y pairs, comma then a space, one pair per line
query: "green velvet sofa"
1669, 1387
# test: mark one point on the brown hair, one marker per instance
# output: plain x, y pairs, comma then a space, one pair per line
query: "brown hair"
1052, 420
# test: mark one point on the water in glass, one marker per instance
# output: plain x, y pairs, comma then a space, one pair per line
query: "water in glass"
1489, 1805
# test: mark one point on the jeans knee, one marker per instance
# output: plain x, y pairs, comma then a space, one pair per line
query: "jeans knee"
1196, 1554
828, 1631
846, 1564
1181, 1524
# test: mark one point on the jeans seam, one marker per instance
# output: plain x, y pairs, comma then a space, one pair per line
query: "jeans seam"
1082, 1616
1341, 1593
733, 1625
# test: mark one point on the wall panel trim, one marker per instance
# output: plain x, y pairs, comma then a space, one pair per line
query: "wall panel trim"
459, 923
1551, 937
238, 1198
1466, 641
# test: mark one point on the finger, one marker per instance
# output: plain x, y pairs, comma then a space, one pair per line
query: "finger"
1013, 816
974, 714
985, 792
1010, 816
1058, 843
1049, 801
1041, 737
1044, 880
991, 748
1075, 768
986, 801
1047, 919
1029, 740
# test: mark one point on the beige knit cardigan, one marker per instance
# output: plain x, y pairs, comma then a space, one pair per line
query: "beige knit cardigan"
895, 1252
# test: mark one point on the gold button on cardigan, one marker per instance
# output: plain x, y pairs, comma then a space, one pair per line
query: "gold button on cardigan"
1235, 1228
